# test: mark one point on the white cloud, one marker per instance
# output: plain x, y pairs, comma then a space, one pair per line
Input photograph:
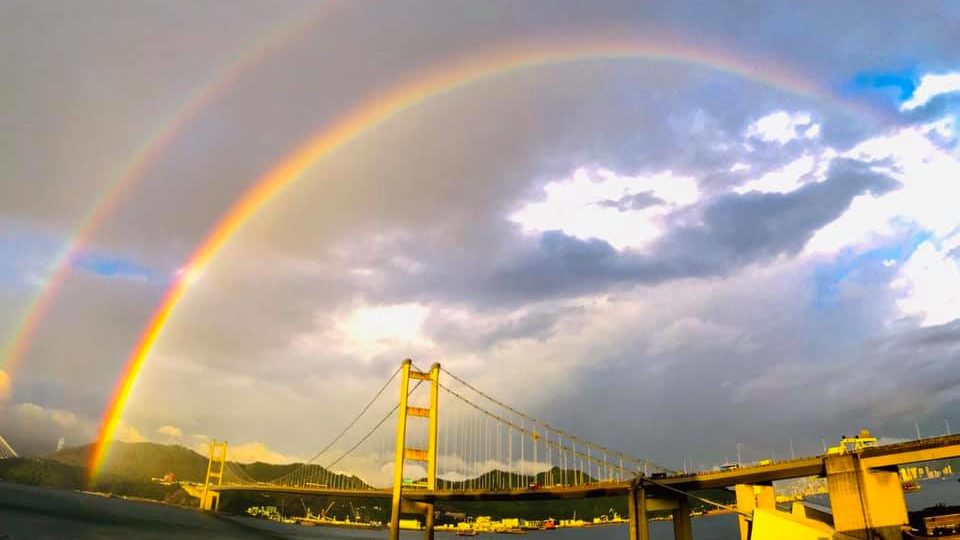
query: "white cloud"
367, 331
128, 433
930, 279
793, 175
930, 186
580, 206
170, 432
250, 452
930, 87
38, 414
782, 127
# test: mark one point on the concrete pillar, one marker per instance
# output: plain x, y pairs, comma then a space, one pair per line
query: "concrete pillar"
866, 503
429, 517
751, 497
210, 501
681, 520
637, 508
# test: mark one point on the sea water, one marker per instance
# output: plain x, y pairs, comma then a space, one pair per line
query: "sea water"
35, 513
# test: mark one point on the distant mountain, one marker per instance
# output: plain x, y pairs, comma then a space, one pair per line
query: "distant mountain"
144, 460
141, 461
502, 480
42, 472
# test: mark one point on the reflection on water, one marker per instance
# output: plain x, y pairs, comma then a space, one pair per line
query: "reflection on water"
37, 513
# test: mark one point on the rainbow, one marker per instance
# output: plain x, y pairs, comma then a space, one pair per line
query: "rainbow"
380, 108
277, 36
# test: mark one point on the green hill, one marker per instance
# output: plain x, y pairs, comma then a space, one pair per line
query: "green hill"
141, 461
42, 472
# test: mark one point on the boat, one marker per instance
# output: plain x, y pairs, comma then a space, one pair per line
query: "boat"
467, 532
911, 486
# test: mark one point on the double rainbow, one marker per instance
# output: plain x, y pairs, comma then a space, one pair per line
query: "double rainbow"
380, 108
252, 54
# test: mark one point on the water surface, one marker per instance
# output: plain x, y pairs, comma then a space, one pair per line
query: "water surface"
34, 513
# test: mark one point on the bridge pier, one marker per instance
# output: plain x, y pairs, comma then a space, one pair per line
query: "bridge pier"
682, 529
428, 522
867, 503
751, 497
640, 504
637, 509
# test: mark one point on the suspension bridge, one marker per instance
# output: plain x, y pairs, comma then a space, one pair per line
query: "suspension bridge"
482, 449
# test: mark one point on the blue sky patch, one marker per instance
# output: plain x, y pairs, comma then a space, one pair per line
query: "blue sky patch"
902, 83
869, 266
112, 266
24, 253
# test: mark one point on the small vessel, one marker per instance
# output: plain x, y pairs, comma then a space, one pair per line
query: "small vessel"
911, 486
467, 532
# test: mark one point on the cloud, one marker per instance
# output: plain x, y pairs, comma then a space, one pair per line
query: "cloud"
636, 201
170, 432
35, 429
623, 211
930, 280
782, 127
691, 332
807, 168
251, 452
367, 331
661, 204
932, 85
128, 433
727, 233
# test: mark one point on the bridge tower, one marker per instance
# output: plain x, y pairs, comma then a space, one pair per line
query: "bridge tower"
210, 500
403, 453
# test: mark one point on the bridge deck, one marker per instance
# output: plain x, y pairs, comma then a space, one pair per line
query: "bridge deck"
882, 456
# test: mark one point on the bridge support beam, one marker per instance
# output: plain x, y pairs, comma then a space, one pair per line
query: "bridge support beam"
428, 522
682, 529
751, 497
867, 503
637, 508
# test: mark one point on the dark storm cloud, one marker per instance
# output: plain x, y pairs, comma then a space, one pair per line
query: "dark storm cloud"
637, 201
470, 335
733, 231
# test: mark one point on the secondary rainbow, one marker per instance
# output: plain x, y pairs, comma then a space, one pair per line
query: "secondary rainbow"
380, 108
199, 98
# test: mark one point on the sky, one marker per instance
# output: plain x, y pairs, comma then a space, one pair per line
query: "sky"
751, 236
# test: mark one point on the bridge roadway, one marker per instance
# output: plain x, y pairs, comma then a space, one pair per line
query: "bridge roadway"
890, 455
